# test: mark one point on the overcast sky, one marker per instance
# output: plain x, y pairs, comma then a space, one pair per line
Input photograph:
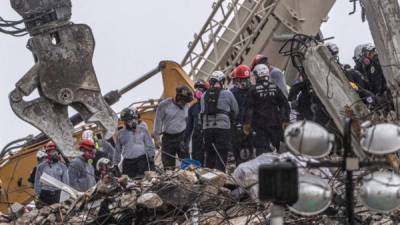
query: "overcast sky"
131, 38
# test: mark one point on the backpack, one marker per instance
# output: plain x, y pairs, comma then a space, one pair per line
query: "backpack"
211, 100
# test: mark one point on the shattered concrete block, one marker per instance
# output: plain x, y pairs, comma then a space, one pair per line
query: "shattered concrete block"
150, 200
128, 200
32, 214
213, 178
149, 175
39, 219
187, 177
17, 210
51, 218
45, 211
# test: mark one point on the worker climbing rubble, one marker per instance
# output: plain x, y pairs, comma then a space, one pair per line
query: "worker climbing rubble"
55, 168
170, 122
218, 108
194, 132
81, 171
134, 146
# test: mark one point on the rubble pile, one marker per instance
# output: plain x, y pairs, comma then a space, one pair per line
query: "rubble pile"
181, 197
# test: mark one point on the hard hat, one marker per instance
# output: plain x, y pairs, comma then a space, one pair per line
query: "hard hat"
41, 154
258, 59
50, 146
103, 161
359, 50
217, 76
87, 144
242, 71
333, 48
368, 47
87, 134
201, 84
128, 114
183, 90
261, 70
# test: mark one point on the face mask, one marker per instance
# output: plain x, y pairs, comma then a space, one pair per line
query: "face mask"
87, 155
131, 124
53, 156
366, 61
184, 99
198, 94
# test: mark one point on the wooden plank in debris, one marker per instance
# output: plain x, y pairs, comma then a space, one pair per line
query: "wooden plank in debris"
333, 89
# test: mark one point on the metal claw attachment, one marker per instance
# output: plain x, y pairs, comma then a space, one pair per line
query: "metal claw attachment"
63, 74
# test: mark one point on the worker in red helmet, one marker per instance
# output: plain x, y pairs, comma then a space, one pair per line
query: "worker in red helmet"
194, 130
240, 131
81, 171
52, 166
276, 74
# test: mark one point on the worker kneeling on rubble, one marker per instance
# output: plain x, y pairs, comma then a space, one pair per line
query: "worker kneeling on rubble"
218, 107
56, 169
81, 171
268, 111
171, 122
135, 146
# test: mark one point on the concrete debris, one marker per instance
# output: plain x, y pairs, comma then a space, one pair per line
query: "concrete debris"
150, 200
201, 196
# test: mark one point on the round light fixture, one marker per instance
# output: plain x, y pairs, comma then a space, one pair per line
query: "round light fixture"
381, 139
309, 139
315, 196
380, 191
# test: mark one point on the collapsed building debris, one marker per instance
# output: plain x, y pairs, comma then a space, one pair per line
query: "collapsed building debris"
198, 196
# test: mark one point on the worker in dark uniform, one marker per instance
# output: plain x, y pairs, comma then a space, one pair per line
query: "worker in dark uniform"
240, 131
269, 111
40, 157
194, 131
218, 107
170, 122
134, 144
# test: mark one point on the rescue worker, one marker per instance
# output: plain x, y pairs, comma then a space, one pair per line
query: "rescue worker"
40, 157
170, 122
240, 131
373, 71
194, 130
56, 169
269, 111
218, 107
80, 170
276, 74
134, 145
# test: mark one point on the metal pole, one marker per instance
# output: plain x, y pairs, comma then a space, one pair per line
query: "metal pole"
349, 174
277, 213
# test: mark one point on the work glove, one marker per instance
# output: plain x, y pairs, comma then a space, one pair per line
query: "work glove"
247, 129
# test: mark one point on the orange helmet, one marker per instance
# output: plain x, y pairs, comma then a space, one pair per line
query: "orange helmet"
258, 59
242, 71
50, 146
86, 144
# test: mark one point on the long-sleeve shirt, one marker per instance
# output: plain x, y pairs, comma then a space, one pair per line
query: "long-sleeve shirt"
170, 118
132, 144
194, 122
81, 174
241, 96
56, 170
279, 79
226, 103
